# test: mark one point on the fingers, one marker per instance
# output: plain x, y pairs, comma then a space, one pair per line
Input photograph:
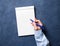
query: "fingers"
35, 27
38, 21
34, 24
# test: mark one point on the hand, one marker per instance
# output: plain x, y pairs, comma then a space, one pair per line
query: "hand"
34, 24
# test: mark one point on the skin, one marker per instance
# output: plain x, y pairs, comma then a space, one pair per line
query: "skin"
34, 24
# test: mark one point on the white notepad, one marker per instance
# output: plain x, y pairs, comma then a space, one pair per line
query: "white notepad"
23, 16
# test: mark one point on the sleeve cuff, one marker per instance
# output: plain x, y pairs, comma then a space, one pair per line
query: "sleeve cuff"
39, 33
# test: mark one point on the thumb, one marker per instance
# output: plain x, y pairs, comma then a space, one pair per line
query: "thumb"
35, 27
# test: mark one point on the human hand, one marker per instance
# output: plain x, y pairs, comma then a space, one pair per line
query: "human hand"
35, 26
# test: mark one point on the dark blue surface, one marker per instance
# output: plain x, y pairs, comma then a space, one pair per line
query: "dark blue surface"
48, 11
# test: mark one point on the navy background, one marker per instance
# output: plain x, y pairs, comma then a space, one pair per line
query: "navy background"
48, 11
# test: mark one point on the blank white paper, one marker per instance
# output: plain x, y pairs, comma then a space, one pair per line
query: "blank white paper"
23, 16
